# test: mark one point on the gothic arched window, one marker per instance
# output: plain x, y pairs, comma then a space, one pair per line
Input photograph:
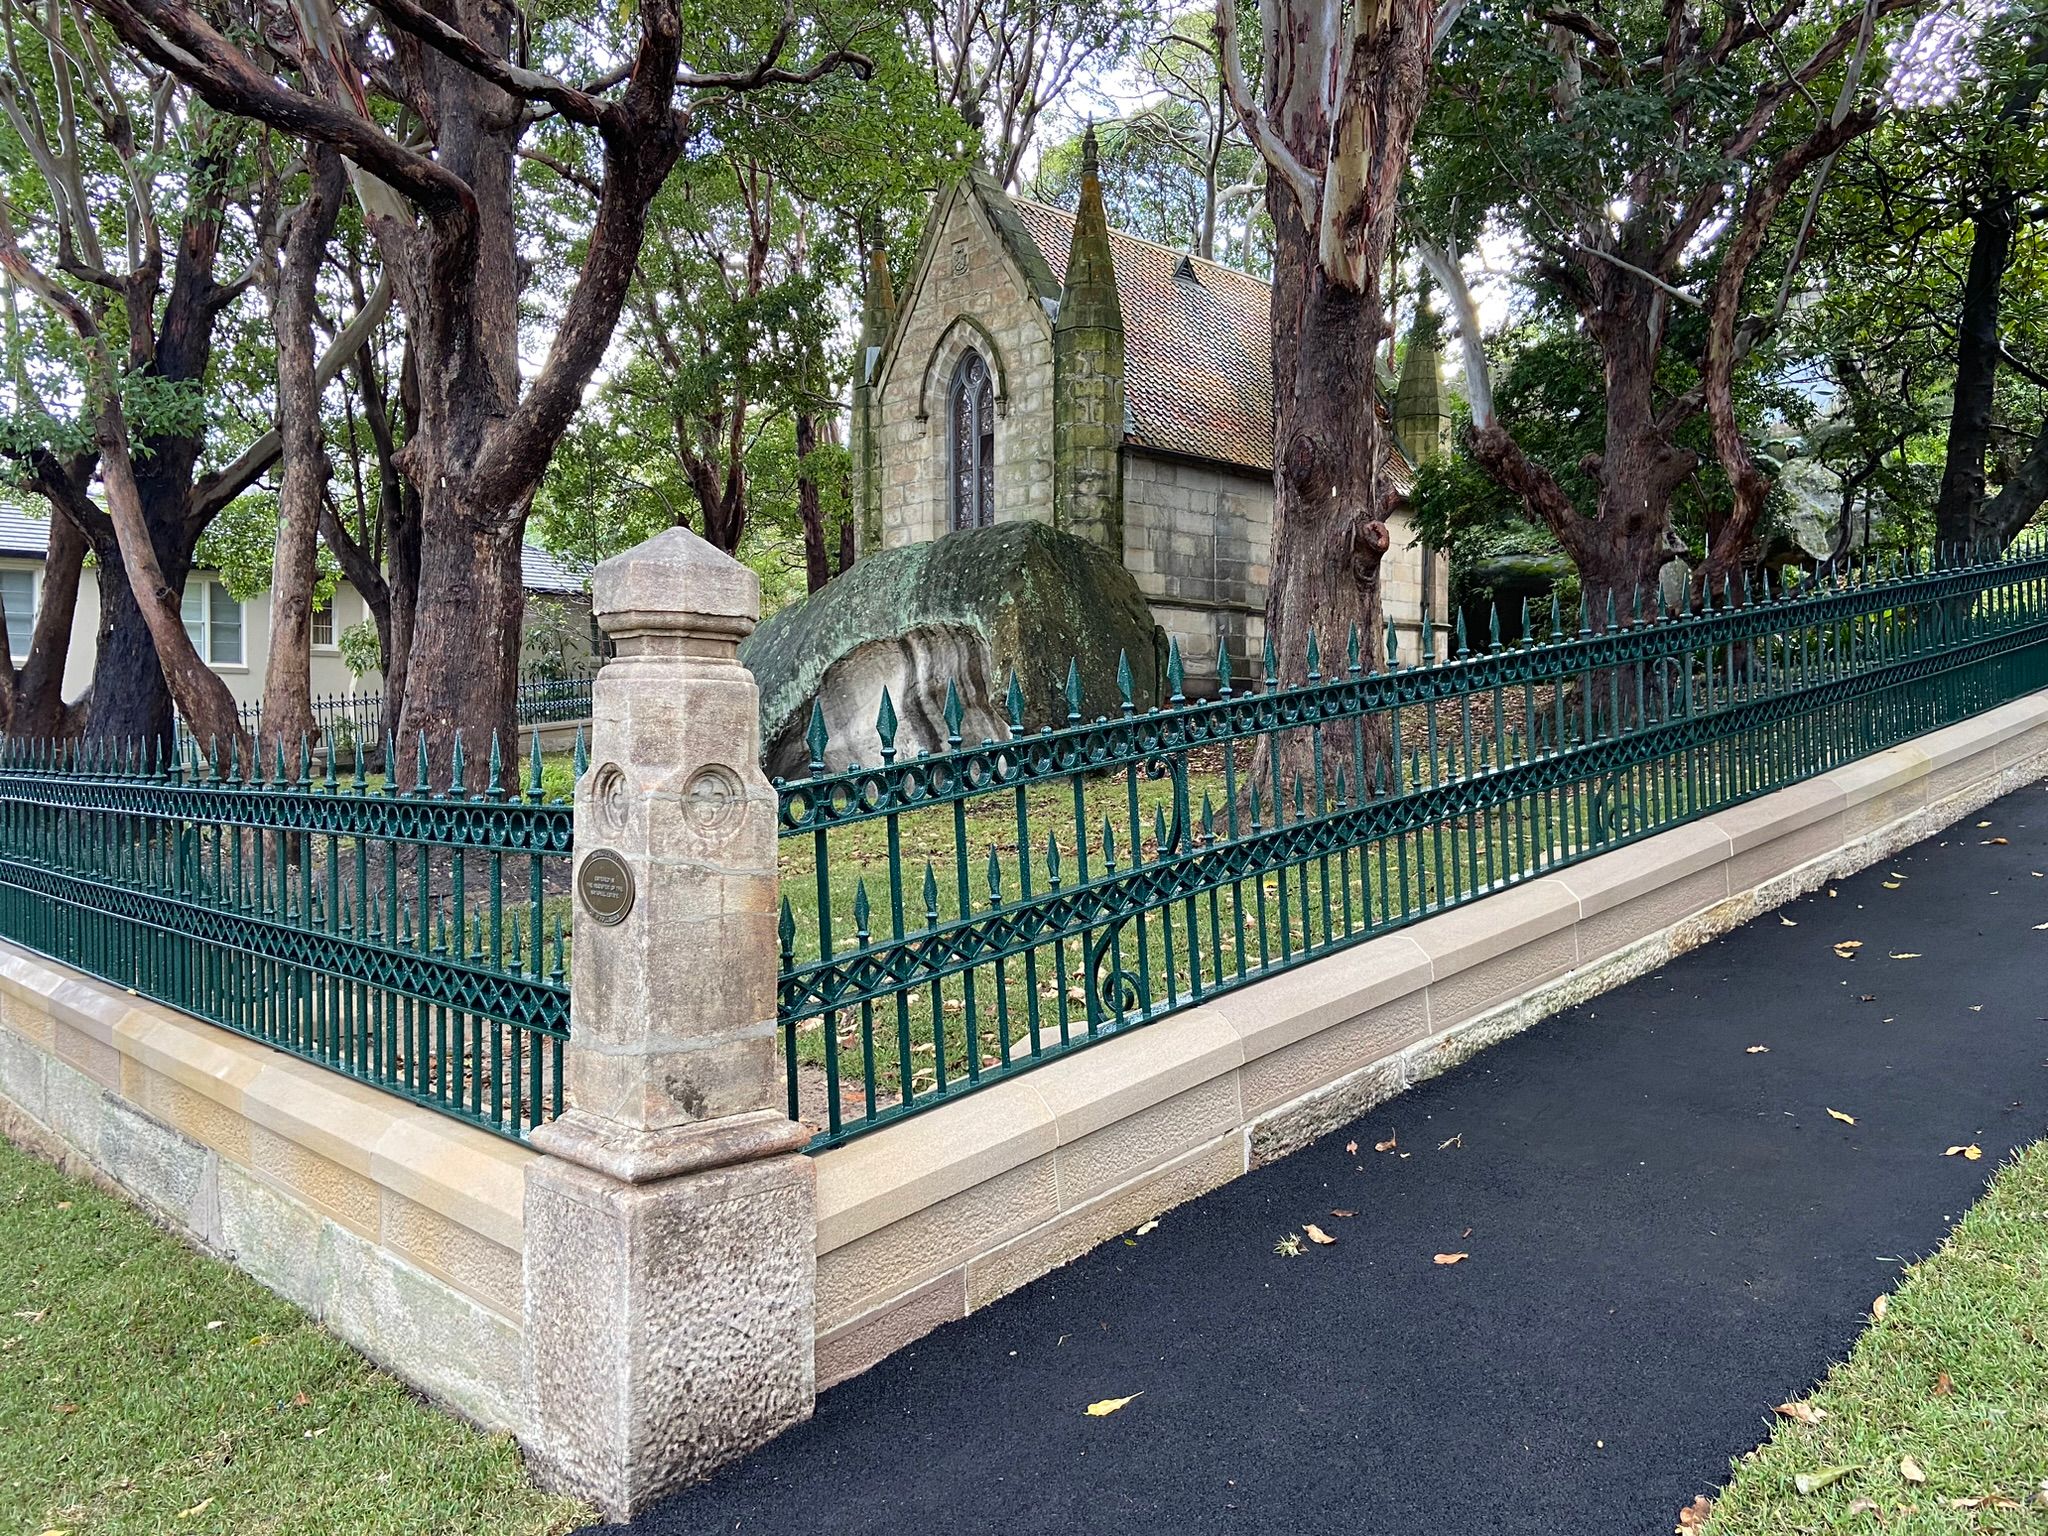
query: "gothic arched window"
971, 412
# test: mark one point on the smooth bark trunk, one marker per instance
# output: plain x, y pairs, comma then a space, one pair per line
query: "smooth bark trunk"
286, 724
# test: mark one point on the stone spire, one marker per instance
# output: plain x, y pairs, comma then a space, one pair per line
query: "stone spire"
878, 318
1421, 418
1088, 377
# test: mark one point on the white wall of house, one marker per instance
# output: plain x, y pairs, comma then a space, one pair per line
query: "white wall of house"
233, 637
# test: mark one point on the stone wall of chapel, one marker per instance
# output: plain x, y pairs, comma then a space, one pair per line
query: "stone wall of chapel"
971, 296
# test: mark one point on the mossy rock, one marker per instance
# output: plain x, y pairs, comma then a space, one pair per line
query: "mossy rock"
969, 609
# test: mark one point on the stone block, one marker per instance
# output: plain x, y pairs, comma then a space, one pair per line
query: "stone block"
24, 1013
197, 1115
1000, 1270
1320, 1110
870, 1338
452, 1252
1348, 985
331, 1189
171, 1174
95, 1057
1478, 988
1338, 1051
1133, 1144
886, 1263
1127, 1074
1762, 862
457, 1351
1615, 878
669, 1325
271, 1236
1655, 910
875, 1180
22, 1069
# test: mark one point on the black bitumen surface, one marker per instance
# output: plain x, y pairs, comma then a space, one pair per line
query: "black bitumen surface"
1668, 1235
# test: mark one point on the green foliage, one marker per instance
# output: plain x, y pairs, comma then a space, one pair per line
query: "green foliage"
359, 650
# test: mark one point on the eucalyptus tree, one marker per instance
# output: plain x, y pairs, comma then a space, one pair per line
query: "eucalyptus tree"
435, 107
1177, 168
1000, 65
1637, 159
135, 224
1341, 86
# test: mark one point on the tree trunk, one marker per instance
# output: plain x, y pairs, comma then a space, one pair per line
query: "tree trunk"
286, 722
130, 700
1970, 423
817, 568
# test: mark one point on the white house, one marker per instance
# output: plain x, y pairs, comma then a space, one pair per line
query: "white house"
233, 635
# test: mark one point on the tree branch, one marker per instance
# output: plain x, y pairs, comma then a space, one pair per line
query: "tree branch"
1306, 186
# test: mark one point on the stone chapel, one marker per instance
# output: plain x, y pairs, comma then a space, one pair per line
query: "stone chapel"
1041, 365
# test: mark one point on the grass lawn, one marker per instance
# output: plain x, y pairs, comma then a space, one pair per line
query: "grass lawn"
1951, 1383
147, 1388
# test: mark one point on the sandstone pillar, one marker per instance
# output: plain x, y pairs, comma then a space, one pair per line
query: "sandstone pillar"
670, 1235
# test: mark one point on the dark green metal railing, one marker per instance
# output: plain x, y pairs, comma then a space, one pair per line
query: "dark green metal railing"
412, 939
955, 917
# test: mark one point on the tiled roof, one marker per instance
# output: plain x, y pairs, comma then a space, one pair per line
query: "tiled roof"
25, 532
1198, 347
21, 531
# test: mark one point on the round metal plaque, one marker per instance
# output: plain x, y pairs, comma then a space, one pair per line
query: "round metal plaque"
605, 885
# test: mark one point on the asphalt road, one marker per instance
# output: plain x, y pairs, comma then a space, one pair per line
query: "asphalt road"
1668, 1234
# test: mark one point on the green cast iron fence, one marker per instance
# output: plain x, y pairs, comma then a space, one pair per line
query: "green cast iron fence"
952, 918
415, 939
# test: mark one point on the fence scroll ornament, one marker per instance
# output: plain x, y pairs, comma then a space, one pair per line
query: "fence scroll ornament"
951, 918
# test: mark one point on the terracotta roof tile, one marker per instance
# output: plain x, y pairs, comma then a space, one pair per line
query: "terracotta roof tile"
1198, 347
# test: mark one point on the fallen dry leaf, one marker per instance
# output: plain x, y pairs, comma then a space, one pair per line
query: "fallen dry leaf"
1801, 1413
1911, 1470
1343, 1215
1996, 842
1862, 1507
1983, 823
1823, 1477
1969, 1154
1694, 1515
1451, 1258
1757, 1050
1848, 947
1787, 922
1905, 954
1150, 1226
197, 1509
1351, 1147
1944, 1385
1108, 1405
1316, 1234
1891, 885
1456, 1141
1879, 1307
1836, 1114
1388, 1145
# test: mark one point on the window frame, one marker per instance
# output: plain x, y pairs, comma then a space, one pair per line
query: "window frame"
203, 641
979, 509
333, 640
35, 607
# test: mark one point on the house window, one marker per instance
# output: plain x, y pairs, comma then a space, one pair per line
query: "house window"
213, 622
18, 592
323, 626
972, 413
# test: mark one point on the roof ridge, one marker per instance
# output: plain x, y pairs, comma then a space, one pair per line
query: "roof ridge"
1157, 245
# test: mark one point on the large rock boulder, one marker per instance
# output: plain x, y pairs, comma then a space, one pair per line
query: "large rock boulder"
968, 608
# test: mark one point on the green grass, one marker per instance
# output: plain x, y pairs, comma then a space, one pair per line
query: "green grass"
146, 1388
1976, 1312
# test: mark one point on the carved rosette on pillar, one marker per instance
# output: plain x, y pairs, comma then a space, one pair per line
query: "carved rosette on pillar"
670, 1263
